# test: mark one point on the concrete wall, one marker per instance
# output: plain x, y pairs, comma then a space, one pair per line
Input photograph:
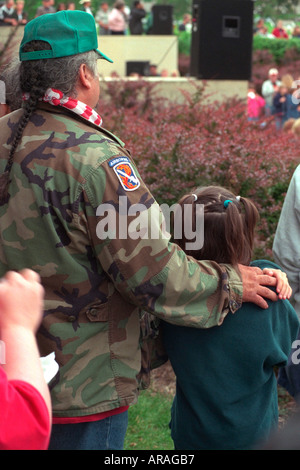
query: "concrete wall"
174, 88
161, 50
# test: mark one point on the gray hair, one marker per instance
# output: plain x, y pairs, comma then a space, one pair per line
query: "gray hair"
35, 77
60, 73
63, 72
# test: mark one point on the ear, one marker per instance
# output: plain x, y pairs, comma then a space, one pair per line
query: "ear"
85, 76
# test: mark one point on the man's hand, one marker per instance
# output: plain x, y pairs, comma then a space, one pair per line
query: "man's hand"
254, 286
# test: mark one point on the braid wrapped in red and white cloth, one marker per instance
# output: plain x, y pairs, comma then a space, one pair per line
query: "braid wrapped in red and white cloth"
57, 98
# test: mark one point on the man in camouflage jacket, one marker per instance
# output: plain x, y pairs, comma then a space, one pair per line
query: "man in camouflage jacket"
65, 170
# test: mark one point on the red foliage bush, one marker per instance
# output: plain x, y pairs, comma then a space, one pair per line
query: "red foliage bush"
179, 147
262, 57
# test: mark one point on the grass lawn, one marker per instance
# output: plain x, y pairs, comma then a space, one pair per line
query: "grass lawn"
148, 420
148, 423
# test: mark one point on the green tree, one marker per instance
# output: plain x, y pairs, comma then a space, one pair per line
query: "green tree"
180, 6
275, 8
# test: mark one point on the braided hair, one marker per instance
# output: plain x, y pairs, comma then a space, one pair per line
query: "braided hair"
60, 73
34, 82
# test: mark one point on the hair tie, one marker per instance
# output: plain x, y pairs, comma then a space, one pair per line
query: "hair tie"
195, 197
238, 198
226, 203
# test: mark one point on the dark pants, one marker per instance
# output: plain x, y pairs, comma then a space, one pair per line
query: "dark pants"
105, 434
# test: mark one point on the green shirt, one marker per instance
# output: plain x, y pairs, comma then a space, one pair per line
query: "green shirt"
226, 389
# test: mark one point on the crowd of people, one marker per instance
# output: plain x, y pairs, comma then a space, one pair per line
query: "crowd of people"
116, 20
277, 32
279, 98
119, 19
12, 13
98, 298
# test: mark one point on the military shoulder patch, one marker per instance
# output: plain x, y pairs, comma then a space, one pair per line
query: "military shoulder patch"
125, 172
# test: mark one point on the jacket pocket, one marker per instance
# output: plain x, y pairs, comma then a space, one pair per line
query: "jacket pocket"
98, 312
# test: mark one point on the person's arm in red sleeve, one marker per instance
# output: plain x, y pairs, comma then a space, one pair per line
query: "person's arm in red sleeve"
25, 405
24, 423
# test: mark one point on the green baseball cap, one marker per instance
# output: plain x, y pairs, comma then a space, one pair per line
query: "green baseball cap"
68, 32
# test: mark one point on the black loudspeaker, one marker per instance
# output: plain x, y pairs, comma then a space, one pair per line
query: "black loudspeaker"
162, 19
222, 34
141, 68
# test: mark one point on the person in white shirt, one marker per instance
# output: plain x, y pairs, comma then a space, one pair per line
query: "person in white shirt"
86, 6
286, 252
269, 89
7, 17
286, 246
102, 18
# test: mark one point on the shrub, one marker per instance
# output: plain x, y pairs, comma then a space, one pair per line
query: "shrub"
179, 147
184, 42
277, 47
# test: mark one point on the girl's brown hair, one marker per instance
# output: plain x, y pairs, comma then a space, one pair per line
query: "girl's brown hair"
228, 228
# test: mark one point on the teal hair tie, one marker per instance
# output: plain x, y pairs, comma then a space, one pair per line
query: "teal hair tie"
228, 201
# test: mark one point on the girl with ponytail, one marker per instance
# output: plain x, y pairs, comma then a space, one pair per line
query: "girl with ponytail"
226, 388
229, 224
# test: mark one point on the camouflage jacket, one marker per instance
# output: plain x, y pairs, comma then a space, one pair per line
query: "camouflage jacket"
65, 169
